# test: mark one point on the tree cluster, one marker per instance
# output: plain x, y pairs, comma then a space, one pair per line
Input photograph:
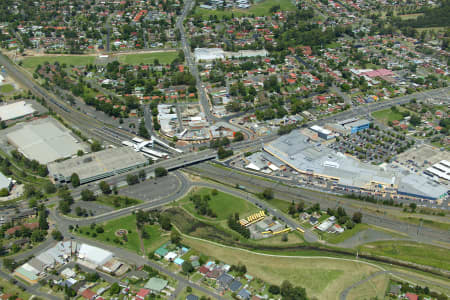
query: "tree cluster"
233, 223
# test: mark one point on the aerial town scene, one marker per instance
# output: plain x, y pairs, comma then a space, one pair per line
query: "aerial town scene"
225, 149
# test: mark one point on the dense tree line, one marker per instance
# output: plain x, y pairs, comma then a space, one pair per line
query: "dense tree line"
432, 17
233, 223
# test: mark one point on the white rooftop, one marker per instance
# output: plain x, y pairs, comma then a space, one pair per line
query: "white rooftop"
15, 110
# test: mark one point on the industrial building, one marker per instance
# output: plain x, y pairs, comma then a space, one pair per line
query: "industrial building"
349, 126
439, 170
44, 140
322, 132
16, 111
208, 54
311, 159
97, 165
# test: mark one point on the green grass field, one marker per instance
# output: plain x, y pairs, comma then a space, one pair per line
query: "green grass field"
410, 251
387, 115
128, 223
261, 8
75, 60
117, 201
375, 288
222, 204
6, 88
148, 58
155, 239
322, 278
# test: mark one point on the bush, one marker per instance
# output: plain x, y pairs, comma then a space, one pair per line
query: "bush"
274, 289
132, 179
160, 172
4, 192
75, 180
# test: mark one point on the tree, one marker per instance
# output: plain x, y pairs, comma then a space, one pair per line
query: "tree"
104, 187
114, 289
57, 235
49, 188
267, 194
164, 221
413, 206
132, 179
160, 172
187, 267
274, 289
142, 175
75, 180
415, 120
357, 217
88, 195
175, 237
238, 136
96, 146
10, 264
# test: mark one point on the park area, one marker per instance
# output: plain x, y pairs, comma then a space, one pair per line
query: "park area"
258, 8
123, 232
31, 63
165, 57
222, 204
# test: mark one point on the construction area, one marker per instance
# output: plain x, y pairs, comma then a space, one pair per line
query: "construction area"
97, 165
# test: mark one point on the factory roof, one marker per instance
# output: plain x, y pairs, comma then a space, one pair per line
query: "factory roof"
95, 255
44, 141
15, 110
356, 123
414, 184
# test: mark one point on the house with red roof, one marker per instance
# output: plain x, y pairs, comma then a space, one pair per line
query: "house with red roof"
411, 296
88, 294
142, 294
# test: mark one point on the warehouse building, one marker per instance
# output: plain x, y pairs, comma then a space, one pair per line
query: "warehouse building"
97, 165
311, 159
349, 126
16, 111
44, 140
208, 54
322, 132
